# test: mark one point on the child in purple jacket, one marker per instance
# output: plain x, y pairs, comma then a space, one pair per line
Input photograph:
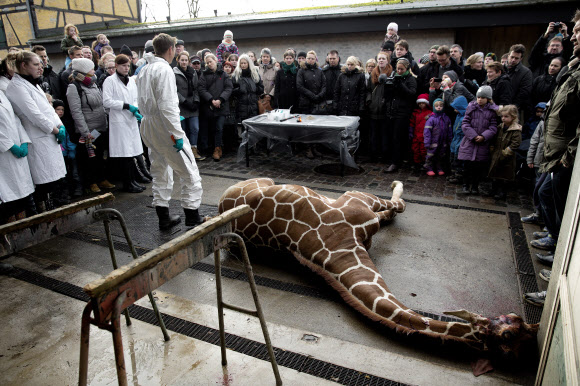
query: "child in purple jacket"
479, 127
437, 136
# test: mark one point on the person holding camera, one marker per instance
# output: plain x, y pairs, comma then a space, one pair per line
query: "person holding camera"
400, 92
555, 42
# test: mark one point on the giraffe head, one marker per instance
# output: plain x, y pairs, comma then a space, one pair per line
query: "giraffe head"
506, 335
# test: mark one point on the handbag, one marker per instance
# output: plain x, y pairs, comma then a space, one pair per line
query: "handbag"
322, 108
264, 104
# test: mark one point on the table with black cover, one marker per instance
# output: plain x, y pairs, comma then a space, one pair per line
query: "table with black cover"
339, 133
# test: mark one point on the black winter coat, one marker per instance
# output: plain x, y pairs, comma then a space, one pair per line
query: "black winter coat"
521, 80
285, 91
542, 88
331, 75
247, 92
414, 66
187, 92
540, 60
213, 86
428, 71
311, 86
502, 90
52, 82
474, 79
349, 92
401, 98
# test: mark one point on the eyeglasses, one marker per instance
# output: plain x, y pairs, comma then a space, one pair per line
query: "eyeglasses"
110, 68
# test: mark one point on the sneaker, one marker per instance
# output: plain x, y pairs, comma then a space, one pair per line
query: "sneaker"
392, 168
431, 173
441, 172
545, 274
546, 259
533, 218
540, 234
547, 243
535, 298
196, 155
106, 185
94, 188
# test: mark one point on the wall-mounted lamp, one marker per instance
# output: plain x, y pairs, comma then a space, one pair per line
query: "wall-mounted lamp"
215, 12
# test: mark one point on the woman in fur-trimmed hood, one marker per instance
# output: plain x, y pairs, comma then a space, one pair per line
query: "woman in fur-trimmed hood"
349, 90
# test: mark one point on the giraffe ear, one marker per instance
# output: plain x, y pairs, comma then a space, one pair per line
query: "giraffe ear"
469, 316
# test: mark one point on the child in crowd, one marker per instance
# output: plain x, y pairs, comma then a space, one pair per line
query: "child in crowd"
101, 42
530, 126
479, 127
227, 45
459, 106
416, 128
503, 153
437, 136
71, 183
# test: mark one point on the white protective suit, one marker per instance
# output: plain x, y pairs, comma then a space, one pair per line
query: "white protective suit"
38, 118
159, 105
15, 179
124, 138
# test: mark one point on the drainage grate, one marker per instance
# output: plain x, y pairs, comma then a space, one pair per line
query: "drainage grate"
299, 362
524, 266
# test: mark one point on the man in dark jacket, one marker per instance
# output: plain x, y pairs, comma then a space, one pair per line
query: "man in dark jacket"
428, 71
50, 80
520, 76
562, 131
331, 73
548, 47
500, 84
457, 55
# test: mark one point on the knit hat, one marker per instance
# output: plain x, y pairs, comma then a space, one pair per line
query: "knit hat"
452, 75
423, 98
491, 55
57, 103
195, 59
82, 65
434, 47
301, 54
125, 50
435, 102
424, 59
393, 26
149, 46
266, 51
485, 92
388, 46
228, 34
179, 42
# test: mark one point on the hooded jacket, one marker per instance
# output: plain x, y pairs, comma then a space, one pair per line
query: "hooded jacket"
478, 120
542, 88
401, 97
502, 90
503, 158
86, 107
459, 104
536, 149
349, 92
311, 86
437, 130
212, 86
187, 92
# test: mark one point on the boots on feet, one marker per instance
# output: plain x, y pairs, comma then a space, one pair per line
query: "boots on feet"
166, 221
192, 217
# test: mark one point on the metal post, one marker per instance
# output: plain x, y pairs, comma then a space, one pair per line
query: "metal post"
219, 242
85, 336
118, 340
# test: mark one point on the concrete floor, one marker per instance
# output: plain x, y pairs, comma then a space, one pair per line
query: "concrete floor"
433, 258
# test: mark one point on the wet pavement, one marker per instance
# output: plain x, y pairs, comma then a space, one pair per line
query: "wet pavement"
445, 252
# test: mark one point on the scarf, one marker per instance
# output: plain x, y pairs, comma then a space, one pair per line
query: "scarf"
34, 81
228, 44
246, 73
289, 69
124, 78
84, 79
403, 74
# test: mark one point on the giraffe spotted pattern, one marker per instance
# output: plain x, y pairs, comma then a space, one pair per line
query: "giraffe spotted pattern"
332, 237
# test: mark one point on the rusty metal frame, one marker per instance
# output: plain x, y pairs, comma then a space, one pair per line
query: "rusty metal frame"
221, 242
129, 283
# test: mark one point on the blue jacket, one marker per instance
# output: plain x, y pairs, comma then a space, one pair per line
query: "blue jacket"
459, 104
68, 148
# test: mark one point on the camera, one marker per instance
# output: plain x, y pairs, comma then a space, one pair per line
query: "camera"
557, 26
390, 81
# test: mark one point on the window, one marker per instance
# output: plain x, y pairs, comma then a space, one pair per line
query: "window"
3, 42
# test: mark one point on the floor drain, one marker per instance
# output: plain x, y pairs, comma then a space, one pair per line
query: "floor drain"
310, 338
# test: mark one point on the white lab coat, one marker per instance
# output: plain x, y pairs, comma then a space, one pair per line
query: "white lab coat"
124, 137
15, 179
159, 105
38, 118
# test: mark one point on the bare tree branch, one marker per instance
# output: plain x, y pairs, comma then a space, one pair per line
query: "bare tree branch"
193, 8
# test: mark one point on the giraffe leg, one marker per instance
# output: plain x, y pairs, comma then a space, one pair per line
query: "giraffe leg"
386, 215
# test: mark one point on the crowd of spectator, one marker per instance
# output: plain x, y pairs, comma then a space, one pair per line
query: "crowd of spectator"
70, 132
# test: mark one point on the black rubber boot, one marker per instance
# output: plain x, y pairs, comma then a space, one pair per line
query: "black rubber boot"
165, 220
192, 217
143, 167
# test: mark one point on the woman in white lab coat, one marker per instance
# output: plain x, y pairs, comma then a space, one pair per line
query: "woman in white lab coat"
120, 98
15, 179
42, 125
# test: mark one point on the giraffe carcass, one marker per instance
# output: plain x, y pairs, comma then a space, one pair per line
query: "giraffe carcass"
332, 237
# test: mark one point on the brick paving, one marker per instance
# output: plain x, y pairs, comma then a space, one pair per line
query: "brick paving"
283, 166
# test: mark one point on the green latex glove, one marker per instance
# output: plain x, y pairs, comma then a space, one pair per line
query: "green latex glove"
133, 109
17, 151
138, 116
181, 118
61, 136
24, 149
178, 144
